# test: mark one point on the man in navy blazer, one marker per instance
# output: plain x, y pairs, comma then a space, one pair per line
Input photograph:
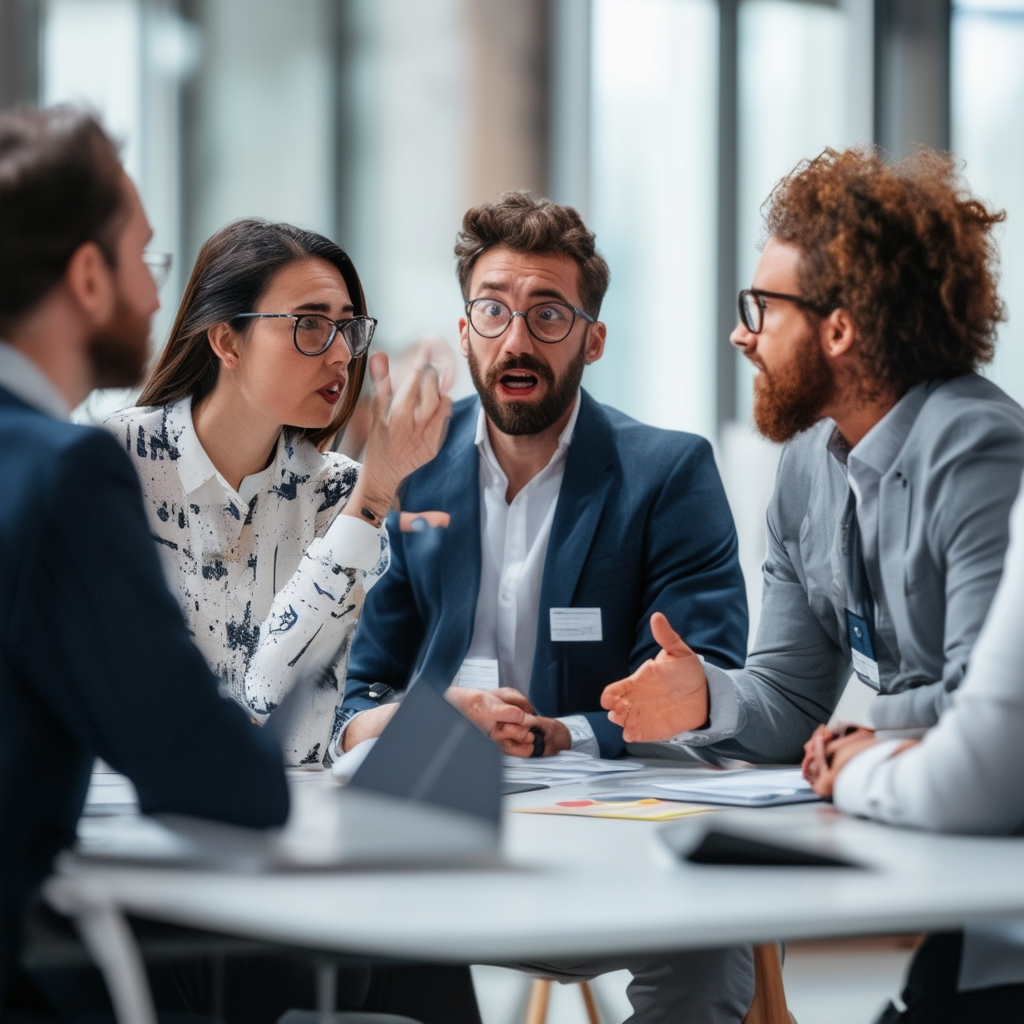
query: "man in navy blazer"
95, 659
569, 525
638, 523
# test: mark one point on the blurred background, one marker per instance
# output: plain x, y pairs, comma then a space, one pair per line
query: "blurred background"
665, 122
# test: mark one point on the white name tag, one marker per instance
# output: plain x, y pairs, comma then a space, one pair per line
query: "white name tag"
865, 667
480, 673
576, 624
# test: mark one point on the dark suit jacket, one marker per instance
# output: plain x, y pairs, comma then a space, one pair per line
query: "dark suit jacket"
95, 660
642, 525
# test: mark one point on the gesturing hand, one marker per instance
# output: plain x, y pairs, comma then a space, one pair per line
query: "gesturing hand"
665, 696
406, 429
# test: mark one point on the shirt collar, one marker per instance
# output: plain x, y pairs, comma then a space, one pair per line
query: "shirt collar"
194, 465
26, 381
483, 440
878, 448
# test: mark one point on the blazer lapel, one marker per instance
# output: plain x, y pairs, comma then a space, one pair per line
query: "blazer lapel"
456, 563
589, 472
893, 521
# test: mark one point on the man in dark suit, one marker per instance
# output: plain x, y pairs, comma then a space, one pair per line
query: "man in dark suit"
95, 659
570, 525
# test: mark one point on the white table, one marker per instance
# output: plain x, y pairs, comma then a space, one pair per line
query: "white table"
573, 887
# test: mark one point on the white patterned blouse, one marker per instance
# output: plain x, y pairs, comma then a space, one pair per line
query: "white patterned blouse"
270, 579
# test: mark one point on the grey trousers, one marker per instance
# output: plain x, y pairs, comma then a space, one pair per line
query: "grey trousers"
696, 986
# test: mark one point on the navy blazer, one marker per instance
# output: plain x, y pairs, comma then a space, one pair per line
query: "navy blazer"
95, 661
642, 525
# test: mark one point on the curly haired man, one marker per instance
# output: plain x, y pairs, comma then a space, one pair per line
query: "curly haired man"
873, 305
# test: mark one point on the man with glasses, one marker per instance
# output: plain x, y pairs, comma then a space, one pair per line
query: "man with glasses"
570, 525
92, 644
873, 305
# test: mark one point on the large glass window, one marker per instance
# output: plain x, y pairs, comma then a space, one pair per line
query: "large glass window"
654, 154
988, 133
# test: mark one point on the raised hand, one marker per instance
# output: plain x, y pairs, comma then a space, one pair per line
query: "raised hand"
406, 430
665, 696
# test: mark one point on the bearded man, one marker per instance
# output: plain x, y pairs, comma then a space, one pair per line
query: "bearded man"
872, 307
570, 525
91, 640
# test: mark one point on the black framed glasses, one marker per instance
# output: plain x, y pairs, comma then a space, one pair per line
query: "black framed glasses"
313, 332
159, 264
752, 305
549, 322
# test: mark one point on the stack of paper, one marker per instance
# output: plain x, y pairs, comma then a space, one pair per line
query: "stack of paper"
757, 787
568, 766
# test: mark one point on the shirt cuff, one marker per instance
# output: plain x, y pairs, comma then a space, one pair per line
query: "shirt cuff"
346, 715
351, 542
582, 734
723, 711
852, 791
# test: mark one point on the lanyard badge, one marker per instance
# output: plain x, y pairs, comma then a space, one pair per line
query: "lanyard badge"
862, 651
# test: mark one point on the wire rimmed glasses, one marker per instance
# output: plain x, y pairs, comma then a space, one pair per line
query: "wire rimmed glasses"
159, 265
752, 305
549, 322
313, 333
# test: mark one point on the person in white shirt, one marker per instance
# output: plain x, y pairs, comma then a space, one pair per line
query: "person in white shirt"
966, 775
270, 542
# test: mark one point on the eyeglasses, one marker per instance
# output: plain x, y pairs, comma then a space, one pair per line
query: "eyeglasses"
159, 264
752, 304
313, 333
549, 322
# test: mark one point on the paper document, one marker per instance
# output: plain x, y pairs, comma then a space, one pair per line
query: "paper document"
755, 787
568, 766
631, 810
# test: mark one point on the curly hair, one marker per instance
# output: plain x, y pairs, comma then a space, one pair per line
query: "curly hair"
905, 249
529, 225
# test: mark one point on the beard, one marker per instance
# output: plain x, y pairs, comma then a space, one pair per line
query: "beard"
119, 351
790, 398
525, 417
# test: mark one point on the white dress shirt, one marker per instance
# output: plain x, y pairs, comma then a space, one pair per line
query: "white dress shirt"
967, 775
270, 579
24, 380
513, 546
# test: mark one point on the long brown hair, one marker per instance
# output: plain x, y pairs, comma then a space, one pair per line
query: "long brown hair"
232, 271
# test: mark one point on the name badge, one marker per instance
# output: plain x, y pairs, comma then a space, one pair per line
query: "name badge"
862, 651
574, 624
480, 673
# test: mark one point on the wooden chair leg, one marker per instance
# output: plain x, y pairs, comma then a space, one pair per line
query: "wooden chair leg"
769, 1005
589, 1002
537, 1008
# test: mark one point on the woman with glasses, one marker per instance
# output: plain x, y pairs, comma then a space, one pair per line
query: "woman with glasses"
270, 541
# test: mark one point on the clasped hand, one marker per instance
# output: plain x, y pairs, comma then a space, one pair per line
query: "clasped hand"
665, 696
508, 717
829, 750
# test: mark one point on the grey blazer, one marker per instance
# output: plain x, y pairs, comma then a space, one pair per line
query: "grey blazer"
943, 510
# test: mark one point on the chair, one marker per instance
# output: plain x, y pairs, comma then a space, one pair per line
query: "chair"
767, 1007
540, 994
769, 1004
